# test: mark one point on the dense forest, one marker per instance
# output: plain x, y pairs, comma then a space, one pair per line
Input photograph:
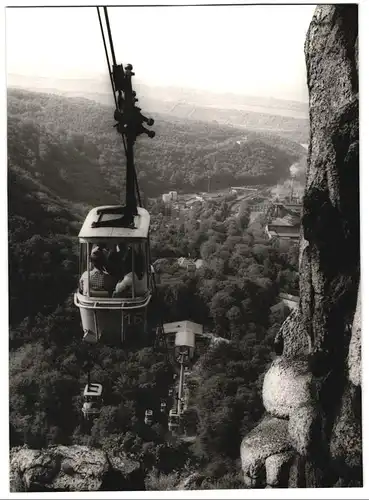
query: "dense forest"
66, 138
231, 294
286, 119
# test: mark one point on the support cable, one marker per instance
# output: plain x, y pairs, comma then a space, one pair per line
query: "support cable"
107, 56
117, 105
108, 64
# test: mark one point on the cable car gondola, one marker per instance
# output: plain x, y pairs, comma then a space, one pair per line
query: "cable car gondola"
92, 396
149, 417
115, 282
173, 421
115, 285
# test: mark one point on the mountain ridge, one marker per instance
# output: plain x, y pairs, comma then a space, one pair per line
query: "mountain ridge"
78, 132
226, 108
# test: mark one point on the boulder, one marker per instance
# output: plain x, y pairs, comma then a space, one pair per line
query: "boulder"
305, 429
278, 468
71, 468
288, 384
270, 437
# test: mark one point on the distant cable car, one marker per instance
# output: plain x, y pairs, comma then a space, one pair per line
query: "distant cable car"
184, 346
115, 283
92, 400
184, 341
173, 421
148, 417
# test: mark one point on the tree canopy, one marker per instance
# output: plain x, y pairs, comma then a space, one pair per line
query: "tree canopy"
55, 174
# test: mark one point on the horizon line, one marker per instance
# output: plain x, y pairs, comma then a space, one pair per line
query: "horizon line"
160, 86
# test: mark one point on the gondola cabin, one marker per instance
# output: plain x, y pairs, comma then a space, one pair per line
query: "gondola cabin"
181, 335
115, 276
92, 400
148, 417
184, 348
173, 421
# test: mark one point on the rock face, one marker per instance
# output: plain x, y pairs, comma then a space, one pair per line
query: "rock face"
277, 469
330, 250
72, 468
312, 392
345, 443
354, 355
288, 384
292, 343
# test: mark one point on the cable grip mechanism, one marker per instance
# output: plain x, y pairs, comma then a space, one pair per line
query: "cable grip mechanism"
128, 116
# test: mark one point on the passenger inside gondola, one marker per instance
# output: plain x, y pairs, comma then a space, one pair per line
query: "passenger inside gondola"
100, 279
136, 279
118, 259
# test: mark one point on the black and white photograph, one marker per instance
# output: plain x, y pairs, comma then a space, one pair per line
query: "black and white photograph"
183, 238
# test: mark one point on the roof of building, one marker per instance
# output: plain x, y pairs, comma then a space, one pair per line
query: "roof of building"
287, 236
295, 206
278, 306
287, 221
286, 300
183, 326
280, 232
184, 261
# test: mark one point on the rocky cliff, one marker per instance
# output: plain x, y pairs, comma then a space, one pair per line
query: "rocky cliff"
311, 434
72, 468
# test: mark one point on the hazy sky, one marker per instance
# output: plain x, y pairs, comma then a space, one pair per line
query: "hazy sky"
255, 50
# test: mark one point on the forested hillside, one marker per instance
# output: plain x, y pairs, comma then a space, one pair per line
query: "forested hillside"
230, 295
287, 119
42, 260
75, 145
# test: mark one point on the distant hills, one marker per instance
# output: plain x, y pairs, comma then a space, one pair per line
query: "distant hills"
285, 118
71, 146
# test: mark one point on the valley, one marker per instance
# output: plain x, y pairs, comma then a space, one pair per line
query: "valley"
64, 158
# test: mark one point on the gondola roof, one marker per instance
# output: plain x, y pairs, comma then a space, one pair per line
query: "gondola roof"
92, 234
